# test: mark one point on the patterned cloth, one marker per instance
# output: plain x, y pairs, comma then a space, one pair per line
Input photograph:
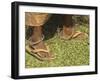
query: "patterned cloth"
36, 19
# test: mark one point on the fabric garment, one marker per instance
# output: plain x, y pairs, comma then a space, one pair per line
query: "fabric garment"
36, 19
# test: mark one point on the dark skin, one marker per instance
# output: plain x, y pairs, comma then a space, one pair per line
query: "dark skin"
67, 25
37, 34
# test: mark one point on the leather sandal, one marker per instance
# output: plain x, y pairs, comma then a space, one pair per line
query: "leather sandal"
30, 47
76, 34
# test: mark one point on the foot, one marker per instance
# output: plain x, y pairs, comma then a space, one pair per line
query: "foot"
40, 51
70, 33
66, 33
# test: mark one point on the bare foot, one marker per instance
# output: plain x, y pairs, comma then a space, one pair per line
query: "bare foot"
70, 33
42, 52
66, 33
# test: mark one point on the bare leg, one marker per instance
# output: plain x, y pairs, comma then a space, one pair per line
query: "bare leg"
45, 54
37, 35
68, 29
36, 46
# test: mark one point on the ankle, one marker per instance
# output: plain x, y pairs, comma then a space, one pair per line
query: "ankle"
67, 30
37, 34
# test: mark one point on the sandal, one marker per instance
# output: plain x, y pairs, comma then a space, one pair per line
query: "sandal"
80, 35
77, 34
38, 53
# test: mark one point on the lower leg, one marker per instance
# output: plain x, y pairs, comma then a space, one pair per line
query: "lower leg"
68, 29
36, 36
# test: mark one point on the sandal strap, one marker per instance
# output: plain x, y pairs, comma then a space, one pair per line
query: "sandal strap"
76, 34
40, 50
34, 43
